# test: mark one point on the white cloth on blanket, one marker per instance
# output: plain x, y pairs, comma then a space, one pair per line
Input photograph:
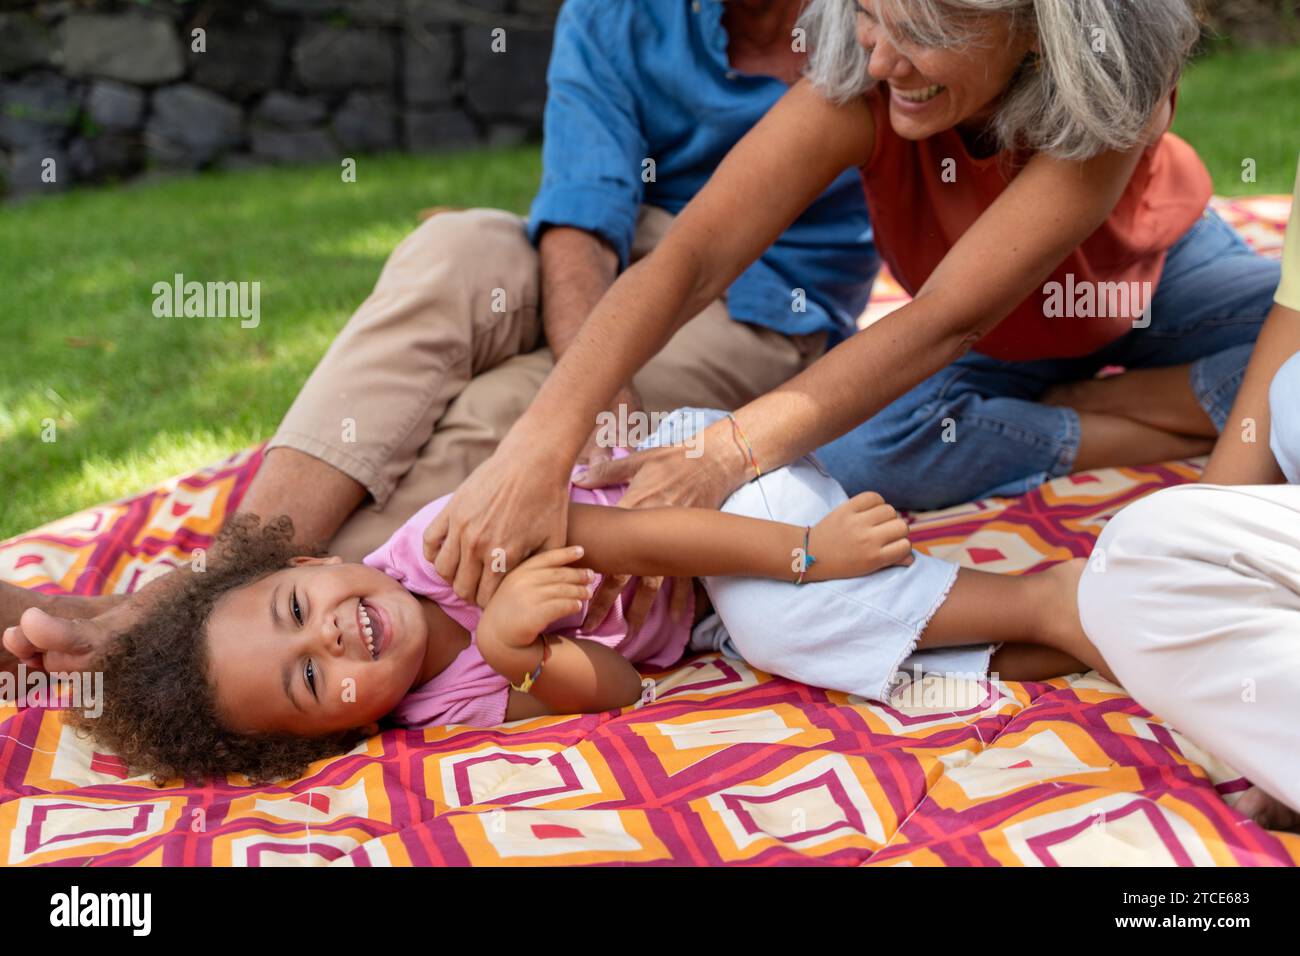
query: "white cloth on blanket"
710, 634
856, 635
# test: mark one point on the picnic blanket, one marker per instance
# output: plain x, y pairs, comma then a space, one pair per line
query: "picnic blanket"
728, 766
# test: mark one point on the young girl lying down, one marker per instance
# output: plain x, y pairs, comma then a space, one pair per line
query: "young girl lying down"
271, 659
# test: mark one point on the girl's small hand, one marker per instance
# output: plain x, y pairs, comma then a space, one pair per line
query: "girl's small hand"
860, 536
535, 595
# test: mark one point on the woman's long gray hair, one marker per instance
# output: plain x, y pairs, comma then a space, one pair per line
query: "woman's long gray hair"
1105, 65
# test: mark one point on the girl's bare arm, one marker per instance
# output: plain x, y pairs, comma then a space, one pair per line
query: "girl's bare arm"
860, 536
580, 677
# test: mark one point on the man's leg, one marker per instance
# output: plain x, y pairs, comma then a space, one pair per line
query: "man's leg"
463, 438
1193, 599
712, 362
716, 362
458, 297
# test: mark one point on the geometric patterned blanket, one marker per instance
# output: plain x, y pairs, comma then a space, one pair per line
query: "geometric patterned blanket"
728, 766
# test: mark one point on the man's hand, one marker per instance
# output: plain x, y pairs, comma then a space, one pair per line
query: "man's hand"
508, 509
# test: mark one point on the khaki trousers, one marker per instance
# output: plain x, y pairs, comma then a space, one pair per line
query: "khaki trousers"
447, 352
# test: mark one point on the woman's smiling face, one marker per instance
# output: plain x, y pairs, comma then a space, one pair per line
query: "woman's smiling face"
290, 652
932, 89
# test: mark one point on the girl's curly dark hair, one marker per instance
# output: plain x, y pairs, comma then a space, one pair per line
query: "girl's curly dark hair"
159, 710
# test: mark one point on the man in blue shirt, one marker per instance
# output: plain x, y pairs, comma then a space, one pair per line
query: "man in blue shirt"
645, 99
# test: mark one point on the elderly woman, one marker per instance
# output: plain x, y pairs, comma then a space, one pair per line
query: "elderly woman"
1023, 187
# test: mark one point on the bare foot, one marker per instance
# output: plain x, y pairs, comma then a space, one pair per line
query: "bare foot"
1161, 398
1032, 662
15, 600
66, 633
1268, 812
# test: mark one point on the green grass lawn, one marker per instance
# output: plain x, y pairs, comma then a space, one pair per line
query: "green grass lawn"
1239, 105
135, 398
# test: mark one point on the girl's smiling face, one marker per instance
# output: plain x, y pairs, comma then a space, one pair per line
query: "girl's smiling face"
289, 653
933, 89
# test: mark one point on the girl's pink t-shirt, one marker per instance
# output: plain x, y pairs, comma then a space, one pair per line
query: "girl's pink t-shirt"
469, 691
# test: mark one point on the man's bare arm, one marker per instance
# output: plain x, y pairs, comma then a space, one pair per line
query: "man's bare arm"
577, 270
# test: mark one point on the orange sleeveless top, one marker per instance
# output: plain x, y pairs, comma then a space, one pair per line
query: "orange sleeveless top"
918, 217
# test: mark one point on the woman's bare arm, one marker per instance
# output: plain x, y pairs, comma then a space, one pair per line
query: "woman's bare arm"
767, 180
515, 501
1046, 212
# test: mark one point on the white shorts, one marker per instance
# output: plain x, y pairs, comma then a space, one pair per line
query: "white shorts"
855, 635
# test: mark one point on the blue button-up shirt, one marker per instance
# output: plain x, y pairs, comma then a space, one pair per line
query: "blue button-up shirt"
637, 80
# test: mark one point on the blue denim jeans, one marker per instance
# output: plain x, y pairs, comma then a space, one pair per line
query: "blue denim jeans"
977, 428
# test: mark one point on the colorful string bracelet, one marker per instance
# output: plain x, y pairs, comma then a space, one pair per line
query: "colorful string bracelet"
808, 559
529, 679
738, 432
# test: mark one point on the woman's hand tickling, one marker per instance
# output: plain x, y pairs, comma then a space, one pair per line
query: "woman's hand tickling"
656, 478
